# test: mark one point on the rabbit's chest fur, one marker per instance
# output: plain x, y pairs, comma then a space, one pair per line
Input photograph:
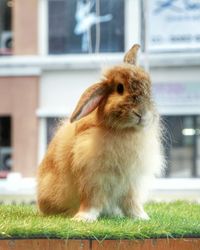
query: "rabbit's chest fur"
113, 163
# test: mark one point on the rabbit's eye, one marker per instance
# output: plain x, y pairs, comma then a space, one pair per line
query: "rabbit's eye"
120, 88
135, 98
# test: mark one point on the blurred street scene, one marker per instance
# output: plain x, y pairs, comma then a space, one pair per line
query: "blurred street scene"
51, 50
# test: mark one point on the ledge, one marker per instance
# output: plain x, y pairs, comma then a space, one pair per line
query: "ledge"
54, 244
164, 189
16, 65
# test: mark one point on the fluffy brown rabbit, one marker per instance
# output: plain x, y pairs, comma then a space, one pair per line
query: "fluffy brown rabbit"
103, 160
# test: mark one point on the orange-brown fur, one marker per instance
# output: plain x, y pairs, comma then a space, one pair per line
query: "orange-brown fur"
103, 161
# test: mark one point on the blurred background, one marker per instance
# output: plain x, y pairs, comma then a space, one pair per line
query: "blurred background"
51, 50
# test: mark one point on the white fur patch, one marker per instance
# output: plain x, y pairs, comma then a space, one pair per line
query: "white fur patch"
115, 163
142, 215
87, 216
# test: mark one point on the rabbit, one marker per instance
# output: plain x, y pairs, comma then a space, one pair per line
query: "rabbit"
104, 159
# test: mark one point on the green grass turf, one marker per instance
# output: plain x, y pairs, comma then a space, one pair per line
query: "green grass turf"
177, 219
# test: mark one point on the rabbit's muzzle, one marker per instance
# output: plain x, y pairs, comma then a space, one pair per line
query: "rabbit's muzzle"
141, 119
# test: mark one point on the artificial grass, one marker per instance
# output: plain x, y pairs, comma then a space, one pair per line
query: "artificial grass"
177, 219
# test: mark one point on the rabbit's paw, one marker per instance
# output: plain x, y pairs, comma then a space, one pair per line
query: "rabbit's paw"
86, 216
142, 216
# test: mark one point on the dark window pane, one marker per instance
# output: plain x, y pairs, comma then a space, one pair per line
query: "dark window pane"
182, 146
5, 27
5, 144
86, 26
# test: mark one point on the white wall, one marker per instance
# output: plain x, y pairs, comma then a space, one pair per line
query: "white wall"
60, 90
186, 99
175, 74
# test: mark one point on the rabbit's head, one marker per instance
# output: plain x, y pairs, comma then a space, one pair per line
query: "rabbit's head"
123, 97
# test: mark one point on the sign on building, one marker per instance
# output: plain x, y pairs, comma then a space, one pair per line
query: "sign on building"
173, 25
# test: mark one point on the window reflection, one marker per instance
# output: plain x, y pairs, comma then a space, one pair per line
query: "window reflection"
86, 26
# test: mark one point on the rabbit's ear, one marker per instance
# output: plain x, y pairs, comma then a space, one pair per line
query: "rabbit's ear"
89, 100
131, 55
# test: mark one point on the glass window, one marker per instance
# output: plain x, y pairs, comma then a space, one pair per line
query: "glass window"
52, 124
5, 27
182, 146
86, 26
5, 145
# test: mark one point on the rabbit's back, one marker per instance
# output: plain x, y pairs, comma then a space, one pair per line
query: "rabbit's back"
56, 187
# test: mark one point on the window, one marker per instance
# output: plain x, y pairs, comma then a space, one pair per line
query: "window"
52, 124
5, 27
86, 26
182, 146
5, 144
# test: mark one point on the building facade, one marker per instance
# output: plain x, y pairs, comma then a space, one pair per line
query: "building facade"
59, 47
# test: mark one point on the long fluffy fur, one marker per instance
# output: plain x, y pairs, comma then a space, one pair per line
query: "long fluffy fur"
91, 168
